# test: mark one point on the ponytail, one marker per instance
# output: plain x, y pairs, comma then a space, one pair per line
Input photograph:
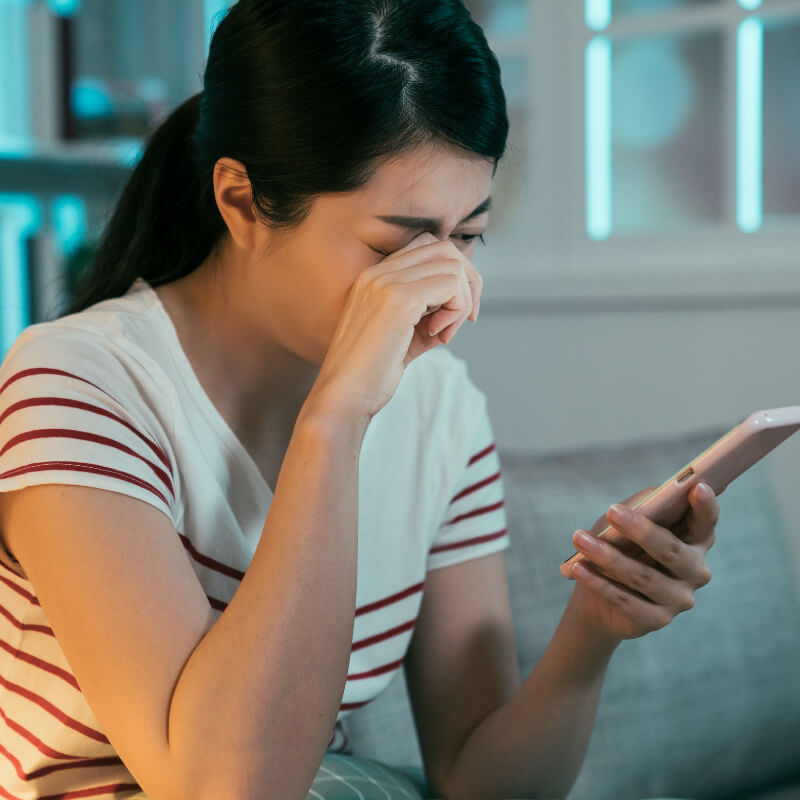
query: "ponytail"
166, 221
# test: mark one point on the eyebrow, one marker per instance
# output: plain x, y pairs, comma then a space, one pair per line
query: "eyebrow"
425, 223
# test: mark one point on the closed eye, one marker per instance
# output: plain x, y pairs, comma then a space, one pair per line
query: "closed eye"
467, 238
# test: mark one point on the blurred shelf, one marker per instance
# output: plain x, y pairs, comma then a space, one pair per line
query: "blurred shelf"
87, 168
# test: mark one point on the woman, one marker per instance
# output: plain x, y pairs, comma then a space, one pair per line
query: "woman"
229, 471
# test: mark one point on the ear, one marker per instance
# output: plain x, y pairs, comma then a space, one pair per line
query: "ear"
234, 196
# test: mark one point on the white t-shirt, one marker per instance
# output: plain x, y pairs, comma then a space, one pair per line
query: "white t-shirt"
107, 398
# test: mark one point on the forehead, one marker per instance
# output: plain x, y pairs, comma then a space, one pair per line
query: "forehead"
433, 181
432, 171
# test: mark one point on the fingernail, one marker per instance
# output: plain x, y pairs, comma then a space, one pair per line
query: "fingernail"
621, 512
704, 490
581, 539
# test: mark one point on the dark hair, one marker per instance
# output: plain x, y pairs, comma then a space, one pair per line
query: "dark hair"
311, 96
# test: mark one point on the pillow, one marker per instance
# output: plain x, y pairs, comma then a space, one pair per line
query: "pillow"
343, 777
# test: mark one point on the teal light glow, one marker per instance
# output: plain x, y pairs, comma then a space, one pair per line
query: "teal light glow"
15, 114
598, 14
214, 11
20, 217
69, 219
749, 111
65, 8
598, 138
750, 5
128, 151
90, 99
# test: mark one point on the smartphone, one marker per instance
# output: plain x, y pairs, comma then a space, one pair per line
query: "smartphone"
717, 466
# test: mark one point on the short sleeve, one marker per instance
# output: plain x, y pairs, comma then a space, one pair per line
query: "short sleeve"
475, 523
71, 413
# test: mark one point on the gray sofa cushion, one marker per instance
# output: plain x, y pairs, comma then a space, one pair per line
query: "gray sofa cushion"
708, 706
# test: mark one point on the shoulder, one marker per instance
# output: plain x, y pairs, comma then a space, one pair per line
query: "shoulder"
81, 364
63, 352
440, 378
434, 417
444, 394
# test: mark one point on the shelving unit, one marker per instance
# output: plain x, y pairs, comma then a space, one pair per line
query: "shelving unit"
83, 83
88, 169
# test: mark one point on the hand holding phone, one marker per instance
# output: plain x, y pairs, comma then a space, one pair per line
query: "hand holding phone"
717, 466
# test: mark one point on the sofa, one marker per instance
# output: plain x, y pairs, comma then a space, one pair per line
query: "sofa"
708, 707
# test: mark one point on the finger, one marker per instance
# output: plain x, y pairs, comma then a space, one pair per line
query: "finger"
448, 325
701, 520
662, 545
633, 574
639, 609
475, 280
473, 291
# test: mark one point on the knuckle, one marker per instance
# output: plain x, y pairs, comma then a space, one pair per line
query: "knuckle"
443, 249
672, 554
641, 579
704, 578
619, 598
663, 617
366, 275
379, 281
687, 601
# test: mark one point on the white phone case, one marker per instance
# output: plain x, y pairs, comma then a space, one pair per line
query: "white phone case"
717, 466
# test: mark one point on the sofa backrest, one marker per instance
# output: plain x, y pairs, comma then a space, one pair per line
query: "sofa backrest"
708, 706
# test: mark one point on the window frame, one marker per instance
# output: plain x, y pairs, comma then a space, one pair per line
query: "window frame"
564, 266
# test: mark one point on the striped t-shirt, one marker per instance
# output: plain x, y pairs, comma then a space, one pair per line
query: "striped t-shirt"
107, 398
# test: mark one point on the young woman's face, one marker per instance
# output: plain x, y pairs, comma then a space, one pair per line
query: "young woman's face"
311, 269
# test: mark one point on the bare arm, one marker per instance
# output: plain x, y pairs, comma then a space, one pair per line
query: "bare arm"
197, 708
272, 671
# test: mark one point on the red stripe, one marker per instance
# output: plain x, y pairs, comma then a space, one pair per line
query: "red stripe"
377, 671
381, 637
25, 626
52, 710
34, 740
15, 574
20, 591
477, 512
66, 433
40, 663
62, 401
109, 788
8, 795
110, 761
209, 562
469, 542
393, 598
27, 373
351, 706
237, 574
15, 762
218, 604
77, 466
477, 456
469, 489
